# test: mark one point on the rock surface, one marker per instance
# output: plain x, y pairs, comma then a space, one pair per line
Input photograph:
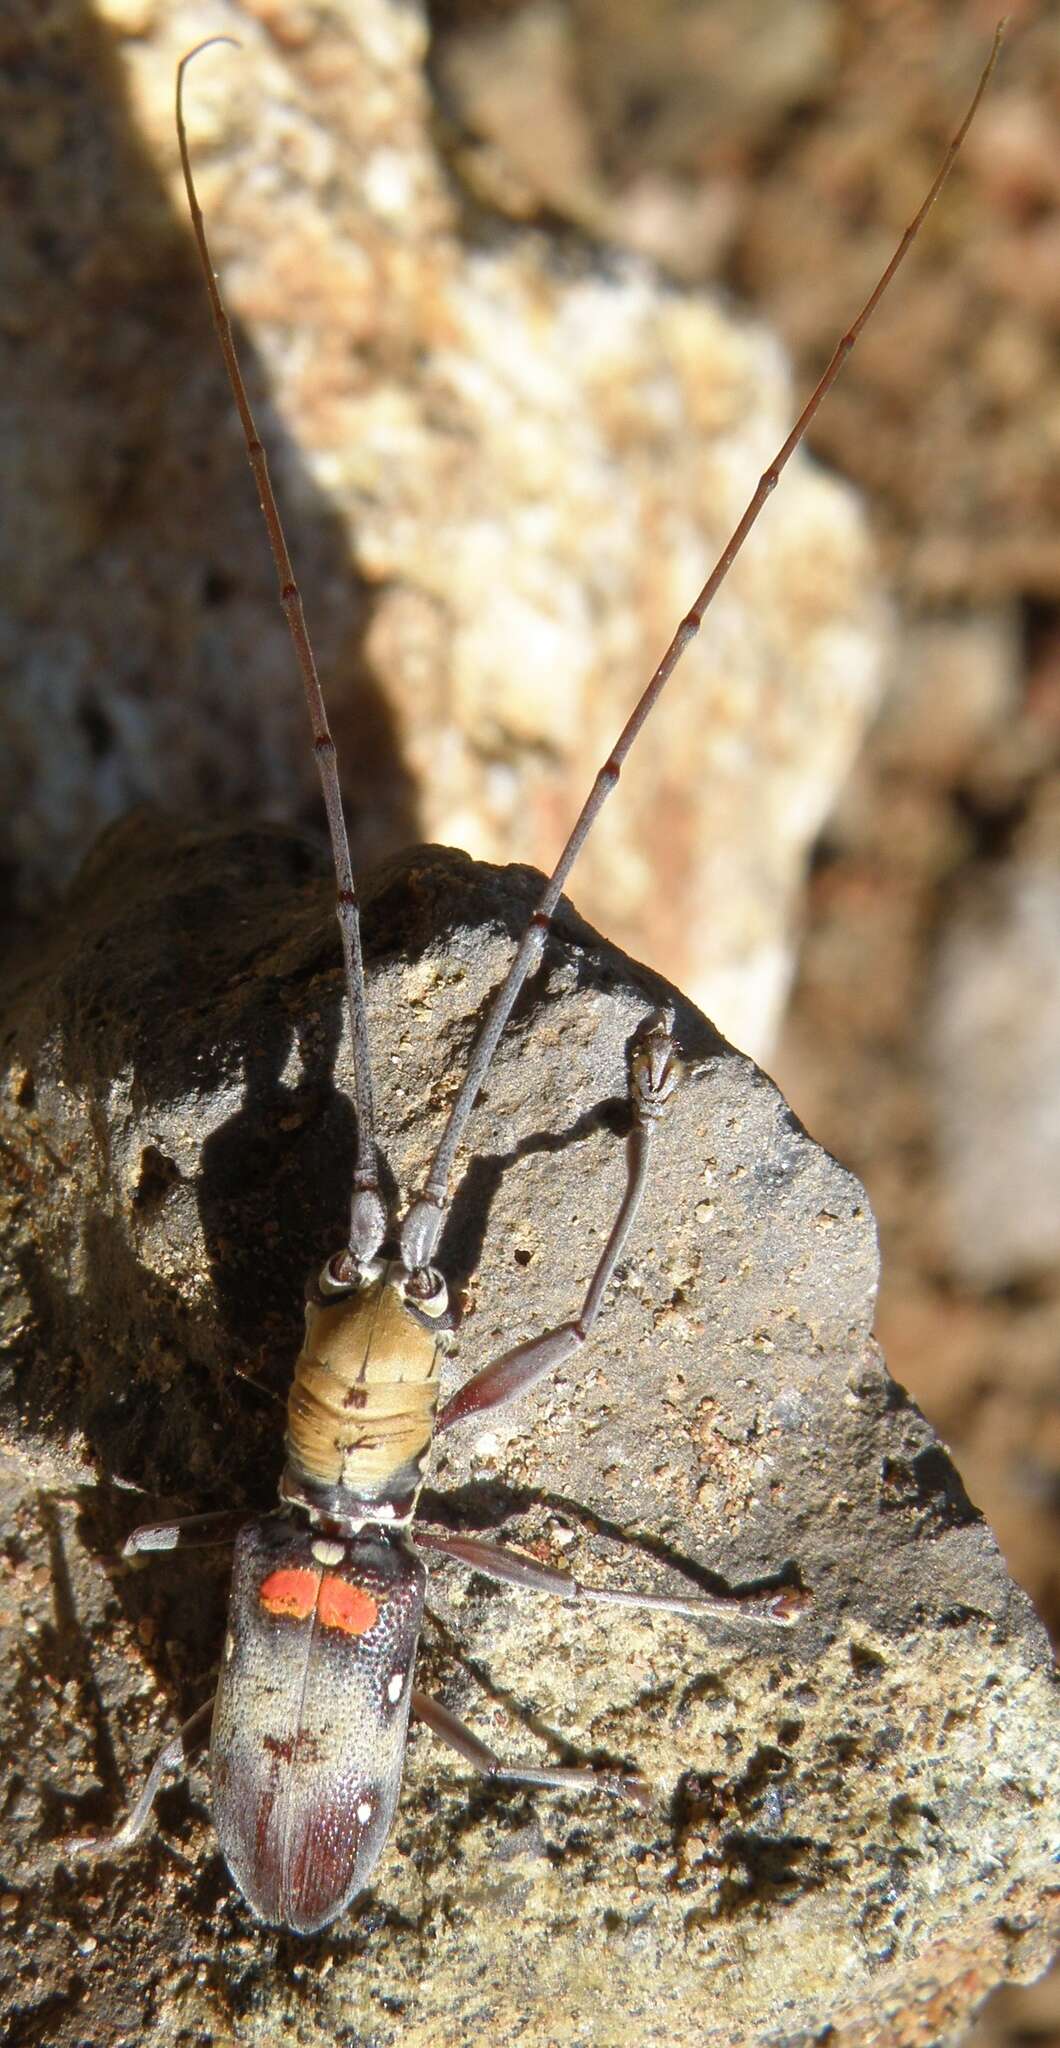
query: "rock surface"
507, 460
783, 148
851, 1816
994, 1050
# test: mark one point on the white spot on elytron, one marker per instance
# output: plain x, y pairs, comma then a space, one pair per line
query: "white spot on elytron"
364, 1811
230, 1646
327, 1553
393, 1691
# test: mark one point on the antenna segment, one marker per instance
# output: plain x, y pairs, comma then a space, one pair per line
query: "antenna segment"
368, 1217
422, 1225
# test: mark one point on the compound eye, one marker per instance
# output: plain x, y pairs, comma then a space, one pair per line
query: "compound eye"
426, 1291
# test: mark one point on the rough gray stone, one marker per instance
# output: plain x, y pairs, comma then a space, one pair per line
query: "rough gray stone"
849, 1825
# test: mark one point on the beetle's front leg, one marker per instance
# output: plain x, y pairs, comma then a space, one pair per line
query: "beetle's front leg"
654, 1074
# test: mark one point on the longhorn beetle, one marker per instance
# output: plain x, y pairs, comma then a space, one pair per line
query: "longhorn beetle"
311, 1711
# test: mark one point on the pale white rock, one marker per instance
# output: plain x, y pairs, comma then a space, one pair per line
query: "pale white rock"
507, 466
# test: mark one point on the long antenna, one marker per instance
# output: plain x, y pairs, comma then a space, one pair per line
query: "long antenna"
422, 1226
368, 1217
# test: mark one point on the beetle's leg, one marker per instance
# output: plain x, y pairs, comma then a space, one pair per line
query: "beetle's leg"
191, 1532
175, 1757
564, 1777
780, 1605
654, 1074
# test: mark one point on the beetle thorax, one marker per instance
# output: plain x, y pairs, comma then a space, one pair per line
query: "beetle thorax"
360, 1414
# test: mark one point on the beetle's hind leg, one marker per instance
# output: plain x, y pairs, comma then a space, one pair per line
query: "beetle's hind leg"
654, 1074
563, 1777
173, 1759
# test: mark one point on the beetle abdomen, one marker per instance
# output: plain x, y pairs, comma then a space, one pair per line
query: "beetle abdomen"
311, 1714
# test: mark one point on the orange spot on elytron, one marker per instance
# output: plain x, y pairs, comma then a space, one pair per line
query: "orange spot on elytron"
290, 1592
346, 1607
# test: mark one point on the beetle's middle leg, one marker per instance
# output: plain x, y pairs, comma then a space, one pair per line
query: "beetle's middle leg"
190, 1532
780, 1605
654, 1074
